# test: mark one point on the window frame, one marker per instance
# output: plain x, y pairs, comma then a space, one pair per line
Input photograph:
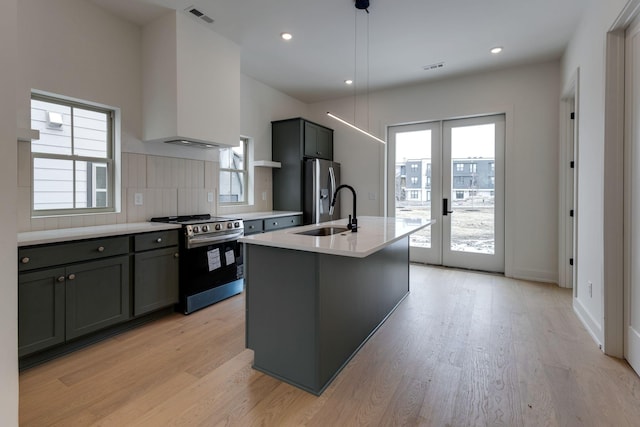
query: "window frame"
244, 141
111, 160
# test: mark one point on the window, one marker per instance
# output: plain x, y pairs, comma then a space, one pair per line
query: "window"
414, 167
473, 167
414, 179
460, 167
233, 174
459, 194
73, 161
415, 195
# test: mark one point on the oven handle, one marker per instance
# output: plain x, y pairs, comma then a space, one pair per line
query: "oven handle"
196, 242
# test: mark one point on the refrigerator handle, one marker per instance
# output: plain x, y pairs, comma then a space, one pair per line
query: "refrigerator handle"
332, 177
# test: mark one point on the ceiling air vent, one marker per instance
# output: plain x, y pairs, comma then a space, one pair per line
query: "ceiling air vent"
433, 66
198, 14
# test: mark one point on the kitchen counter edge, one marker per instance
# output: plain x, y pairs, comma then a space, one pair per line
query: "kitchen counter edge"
374, 233
31, 238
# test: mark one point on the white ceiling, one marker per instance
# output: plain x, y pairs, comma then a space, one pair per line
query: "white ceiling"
331, 38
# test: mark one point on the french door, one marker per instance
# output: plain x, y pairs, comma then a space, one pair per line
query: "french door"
453, 172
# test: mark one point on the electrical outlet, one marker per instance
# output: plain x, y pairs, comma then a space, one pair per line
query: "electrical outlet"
210, 197
590, 286
137, 199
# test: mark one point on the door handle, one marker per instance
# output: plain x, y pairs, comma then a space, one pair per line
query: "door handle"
445, 207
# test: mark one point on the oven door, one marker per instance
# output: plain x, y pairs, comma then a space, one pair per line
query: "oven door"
205, 267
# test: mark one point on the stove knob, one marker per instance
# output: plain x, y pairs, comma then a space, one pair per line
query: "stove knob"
196, 228
229, 225
236, 224
218, 227
205, 228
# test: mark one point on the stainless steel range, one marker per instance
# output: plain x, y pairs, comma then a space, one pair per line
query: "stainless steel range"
210, 259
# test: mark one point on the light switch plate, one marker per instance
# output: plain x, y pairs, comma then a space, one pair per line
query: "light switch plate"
137, 199
210, 197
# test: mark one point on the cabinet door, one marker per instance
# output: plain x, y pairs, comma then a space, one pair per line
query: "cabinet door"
155, 283
97, 295
318, 141
324, 143
310, 139
40, 310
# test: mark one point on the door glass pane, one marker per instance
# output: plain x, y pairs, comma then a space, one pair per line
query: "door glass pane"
473, 189
413, 181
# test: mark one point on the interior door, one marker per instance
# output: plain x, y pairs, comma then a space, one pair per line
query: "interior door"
452, 172
632, 139
473, 193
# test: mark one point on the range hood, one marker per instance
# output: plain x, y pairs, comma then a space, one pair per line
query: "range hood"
191, 84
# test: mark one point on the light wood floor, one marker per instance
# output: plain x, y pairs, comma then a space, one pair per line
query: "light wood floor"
462, 349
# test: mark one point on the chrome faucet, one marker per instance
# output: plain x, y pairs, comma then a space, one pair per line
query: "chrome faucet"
353, 222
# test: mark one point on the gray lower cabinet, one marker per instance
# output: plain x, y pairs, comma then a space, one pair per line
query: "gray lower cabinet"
255, 226
155, 267
71, 289
60, 304
41, 314
156, 280
97, 295
278, 223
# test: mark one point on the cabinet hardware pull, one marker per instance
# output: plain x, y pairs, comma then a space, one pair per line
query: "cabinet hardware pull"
100, 248
176, 255
275, 223
72, 276
25, 260
60, 279
159, 240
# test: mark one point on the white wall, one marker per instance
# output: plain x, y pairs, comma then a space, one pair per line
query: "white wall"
587, 51
529, 95
259, 106
8, 185
77, 49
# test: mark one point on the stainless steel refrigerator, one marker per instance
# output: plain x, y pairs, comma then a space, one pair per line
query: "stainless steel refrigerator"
321, 178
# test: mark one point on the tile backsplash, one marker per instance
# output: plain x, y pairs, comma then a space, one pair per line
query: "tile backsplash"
168, 186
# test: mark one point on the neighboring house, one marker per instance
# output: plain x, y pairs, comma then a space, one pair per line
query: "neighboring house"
471, 178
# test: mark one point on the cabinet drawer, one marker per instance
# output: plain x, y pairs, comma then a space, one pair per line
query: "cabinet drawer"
253, 227
66, 253
282, 222
155, 240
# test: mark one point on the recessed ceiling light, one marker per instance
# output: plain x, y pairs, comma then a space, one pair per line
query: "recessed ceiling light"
348, 82
286, 36
496, 50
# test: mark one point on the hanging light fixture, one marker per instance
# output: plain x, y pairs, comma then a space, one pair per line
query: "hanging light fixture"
360, 5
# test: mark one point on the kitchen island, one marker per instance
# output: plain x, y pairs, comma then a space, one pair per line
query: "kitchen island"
313, 301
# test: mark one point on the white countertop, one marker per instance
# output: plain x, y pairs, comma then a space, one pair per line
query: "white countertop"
374, 233
260, 215
68, 234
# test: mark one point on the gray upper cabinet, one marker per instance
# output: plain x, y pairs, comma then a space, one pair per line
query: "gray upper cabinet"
292, 141
318, 141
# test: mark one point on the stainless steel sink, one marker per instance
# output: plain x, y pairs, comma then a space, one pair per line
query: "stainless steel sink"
323, 231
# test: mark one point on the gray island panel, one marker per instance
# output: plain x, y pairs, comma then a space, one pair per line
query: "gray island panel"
308, 313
